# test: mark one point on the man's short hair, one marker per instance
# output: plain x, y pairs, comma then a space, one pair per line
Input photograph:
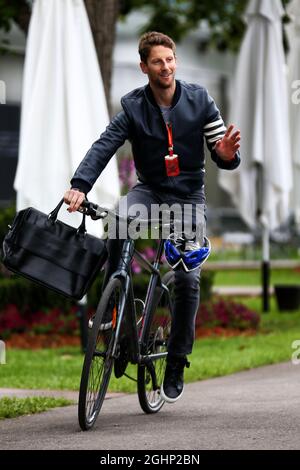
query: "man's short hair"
151, 39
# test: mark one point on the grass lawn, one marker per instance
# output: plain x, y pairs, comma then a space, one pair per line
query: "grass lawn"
56, 369
212, 356
13, 407
253, 277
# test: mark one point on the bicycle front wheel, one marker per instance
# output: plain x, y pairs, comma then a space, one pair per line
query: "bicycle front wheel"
98, 361
155, 340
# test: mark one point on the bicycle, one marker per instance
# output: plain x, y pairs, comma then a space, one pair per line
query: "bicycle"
129, 339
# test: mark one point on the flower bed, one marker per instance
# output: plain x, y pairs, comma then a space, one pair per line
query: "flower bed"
226, 314
219, 316
39, 341
52, 321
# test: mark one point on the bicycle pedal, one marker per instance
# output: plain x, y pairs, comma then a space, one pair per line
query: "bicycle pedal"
120, 366
121, 361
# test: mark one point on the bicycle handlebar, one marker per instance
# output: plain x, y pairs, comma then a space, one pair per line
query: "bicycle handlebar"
97, 212
93, 210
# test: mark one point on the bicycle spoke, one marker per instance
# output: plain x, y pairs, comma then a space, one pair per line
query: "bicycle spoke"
156, 339
98, 361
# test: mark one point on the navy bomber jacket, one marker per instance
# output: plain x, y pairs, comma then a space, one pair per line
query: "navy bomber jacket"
194, 116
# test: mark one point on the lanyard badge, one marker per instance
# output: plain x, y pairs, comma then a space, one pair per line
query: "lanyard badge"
171, 160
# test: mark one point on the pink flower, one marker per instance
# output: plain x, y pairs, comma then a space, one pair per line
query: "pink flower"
227, 314
127, 172
11, 319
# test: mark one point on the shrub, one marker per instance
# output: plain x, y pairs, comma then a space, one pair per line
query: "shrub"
6, 218
222, 313
25, 300
52, 321
227, 314
11, 320
206, 285
28, 296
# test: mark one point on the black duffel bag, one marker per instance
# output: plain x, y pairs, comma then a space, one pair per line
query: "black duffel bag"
52, 253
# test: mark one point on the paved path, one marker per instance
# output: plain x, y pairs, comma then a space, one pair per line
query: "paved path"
256, 409
68, 394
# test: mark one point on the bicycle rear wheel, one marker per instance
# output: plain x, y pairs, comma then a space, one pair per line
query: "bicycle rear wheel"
98, 361
155, 341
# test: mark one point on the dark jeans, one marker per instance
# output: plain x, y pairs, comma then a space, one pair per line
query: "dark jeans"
187, 288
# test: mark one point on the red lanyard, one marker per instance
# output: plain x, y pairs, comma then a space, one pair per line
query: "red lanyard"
171, 160
170, 139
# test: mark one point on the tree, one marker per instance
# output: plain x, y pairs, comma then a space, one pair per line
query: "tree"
16, 10
178, 17
104, 33
175, 17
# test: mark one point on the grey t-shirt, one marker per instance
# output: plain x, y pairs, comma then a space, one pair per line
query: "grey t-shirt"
165, 111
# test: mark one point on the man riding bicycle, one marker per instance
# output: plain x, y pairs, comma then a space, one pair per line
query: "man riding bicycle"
166, 122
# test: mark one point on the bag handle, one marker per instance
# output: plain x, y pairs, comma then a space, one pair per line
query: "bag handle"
53, 217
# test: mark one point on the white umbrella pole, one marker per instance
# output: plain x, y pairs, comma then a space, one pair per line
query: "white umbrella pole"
265, 268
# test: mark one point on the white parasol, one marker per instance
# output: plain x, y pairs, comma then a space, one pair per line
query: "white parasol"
63, 109
294, 90
259, 108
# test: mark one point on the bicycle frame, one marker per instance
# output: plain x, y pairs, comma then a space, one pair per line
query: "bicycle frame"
124, 274
141, 341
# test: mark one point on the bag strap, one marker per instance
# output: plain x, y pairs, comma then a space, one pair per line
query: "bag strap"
53, 217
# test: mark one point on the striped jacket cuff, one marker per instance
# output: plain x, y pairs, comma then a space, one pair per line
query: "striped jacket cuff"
214, 131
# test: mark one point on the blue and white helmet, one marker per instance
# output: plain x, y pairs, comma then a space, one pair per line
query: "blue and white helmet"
178, 257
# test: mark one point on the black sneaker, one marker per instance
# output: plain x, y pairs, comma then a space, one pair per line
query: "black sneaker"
173, 385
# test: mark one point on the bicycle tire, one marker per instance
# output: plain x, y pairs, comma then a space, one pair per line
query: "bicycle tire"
98, 362
155, 339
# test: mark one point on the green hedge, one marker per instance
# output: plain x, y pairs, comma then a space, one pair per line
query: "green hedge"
6, 218
206, 285
27, 295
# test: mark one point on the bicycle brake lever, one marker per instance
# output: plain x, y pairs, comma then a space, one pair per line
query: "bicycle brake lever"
82, 210
97, 214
